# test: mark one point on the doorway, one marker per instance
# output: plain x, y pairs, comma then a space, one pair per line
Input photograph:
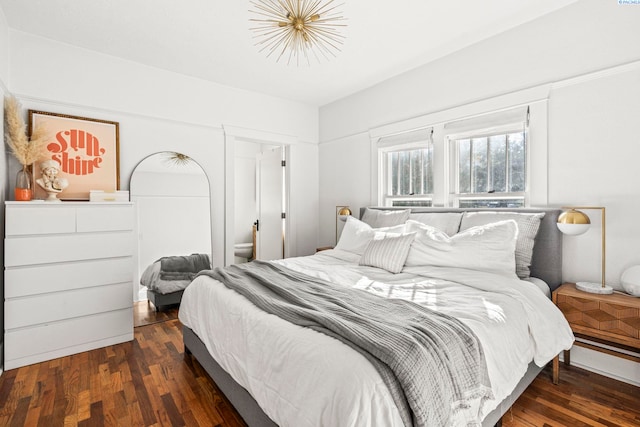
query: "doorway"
271, 209
260, 201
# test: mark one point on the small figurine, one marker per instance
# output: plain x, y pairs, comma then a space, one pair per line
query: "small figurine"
50, 181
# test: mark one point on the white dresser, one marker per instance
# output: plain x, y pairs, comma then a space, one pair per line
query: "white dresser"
68, 278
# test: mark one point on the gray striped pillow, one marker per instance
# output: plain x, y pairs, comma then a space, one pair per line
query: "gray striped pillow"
388, 251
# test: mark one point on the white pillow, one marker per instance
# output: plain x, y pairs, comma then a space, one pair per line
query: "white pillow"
449, 222
489, 247
356, 235
528, 225
377, 218
388, 251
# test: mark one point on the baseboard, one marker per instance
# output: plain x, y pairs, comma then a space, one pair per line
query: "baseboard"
617, 368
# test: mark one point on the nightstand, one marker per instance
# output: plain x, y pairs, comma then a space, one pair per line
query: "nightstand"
608, 322
323, 248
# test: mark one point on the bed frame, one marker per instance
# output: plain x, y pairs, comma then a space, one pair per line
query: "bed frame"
162, 300
546, 265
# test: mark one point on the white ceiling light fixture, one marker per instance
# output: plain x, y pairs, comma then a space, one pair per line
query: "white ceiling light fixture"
298, 29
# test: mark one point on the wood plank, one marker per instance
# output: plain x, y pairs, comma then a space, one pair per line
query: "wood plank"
150, 382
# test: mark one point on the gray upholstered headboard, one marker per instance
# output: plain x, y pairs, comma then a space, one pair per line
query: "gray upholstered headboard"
547, 251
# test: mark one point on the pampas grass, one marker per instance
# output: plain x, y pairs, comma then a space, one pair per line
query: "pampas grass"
25, 150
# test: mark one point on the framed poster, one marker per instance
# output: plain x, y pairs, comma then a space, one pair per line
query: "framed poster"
87, 151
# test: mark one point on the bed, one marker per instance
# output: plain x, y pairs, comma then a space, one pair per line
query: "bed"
278, 373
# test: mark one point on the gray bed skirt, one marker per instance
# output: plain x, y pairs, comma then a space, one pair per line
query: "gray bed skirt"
161, 300
240, 398
254, 416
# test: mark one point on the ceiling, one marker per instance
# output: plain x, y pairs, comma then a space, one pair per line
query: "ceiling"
211, 40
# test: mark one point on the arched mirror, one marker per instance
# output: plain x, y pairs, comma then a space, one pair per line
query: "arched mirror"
171, 194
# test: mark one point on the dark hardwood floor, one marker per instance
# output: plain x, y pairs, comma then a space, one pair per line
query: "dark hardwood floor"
144, 313
582, 398
145, 382
149, 382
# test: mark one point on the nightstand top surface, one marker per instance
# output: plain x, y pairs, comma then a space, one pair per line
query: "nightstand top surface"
569, 289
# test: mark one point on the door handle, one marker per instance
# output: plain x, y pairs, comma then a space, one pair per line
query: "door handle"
257, 224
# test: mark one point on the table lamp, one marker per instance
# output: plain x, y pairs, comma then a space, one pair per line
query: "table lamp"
573, 222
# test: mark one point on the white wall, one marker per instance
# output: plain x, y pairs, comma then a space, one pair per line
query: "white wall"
587, 36
157, 111
593, 156
592, 127
4, 174
303, 170
345, 179
59, 72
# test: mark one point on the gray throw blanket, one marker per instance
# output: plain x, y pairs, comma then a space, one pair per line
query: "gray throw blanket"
432, 363
183, 267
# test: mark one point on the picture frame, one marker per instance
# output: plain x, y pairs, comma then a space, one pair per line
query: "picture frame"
87, 150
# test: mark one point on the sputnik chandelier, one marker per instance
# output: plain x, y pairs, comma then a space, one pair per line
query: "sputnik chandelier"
298, 29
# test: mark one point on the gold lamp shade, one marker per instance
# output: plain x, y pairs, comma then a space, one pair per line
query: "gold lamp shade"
573, 222
343, 213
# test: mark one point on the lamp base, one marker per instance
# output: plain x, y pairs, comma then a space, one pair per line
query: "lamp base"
594, 288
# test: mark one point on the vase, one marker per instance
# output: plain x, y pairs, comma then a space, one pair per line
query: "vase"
24, 187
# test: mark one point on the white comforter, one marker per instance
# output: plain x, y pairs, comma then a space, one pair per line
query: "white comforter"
304, 378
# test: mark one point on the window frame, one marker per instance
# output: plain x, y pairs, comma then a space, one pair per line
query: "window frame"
385, 197
455, 196
529, 107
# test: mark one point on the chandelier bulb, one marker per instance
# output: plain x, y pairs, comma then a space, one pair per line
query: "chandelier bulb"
298, 24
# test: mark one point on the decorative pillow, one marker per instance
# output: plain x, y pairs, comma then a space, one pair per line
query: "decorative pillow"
449, 222
356, 235
377, 218
388, 251
528, 225
489, 247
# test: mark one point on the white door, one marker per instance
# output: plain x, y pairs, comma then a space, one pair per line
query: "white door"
270, 177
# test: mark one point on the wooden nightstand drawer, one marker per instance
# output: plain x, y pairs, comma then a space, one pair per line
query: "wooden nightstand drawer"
614, 318
595, 319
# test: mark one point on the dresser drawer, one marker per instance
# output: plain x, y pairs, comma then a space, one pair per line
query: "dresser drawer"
31, 250
32, 280
30, 220
53, 307
44, 342
104, 218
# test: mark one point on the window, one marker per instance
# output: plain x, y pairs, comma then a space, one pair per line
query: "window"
491, 170
407, 161
477, 161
